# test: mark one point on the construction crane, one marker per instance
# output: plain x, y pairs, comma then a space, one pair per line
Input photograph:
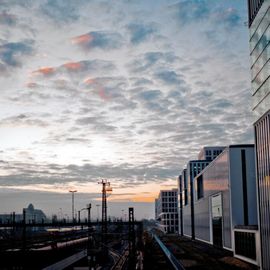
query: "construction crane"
106, 187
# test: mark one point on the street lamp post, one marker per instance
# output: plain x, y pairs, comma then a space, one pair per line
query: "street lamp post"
72, 192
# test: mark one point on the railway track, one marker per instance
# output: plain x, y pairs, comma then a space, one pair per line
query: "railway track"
120, 263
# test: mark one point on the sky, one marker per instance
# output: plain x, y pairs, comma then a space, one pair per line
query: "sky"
125, 90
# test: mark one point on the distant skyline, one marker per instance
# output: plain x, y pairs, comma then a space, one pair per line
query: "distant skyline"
124, 90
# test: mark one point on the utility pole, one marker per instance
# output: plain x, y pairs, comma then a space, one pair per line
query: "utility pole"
24, 230
89, 206
73, 191
105, 188
89, 242
131, 236
79, 216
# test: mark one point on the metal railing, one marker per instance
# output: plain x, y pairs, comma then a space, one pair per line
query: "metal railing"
174, 262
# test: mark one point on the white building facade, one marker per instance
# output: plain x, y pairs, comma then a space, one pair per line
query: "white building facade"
167, 211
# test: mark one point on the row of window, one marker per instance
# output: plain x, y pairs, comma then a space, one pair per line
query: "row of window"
169, 222
168, 216
167, 209
170, 199
169, 193
171, 205
215, 152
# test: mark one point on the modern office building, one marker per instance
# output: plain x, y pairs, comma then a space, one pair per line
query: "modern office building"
210, 152
167, 211
180, 204
186, 188
259, 25
194, 167
156, 209
225, 203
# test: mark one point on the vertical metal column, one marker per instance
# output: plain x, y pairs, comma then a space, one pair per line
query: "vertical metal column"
104, 229
24, 231
89, 242
105, 187
73, 191
89, 213
131, 236
104, 208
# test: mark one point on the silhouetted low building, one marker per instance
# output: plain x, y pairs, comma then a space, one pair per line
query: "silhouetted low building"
10, 218
33, 215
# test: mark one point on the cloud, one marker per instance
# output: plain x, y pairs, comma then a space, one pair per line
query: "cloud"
97, 124
80, 67
195, 11
229, 17
98, 39
62, 11
192, 10
150, 94
7, 19
140, 32
150, 60
46, 71
23, 120
32, 85
33, 173
169, 77
13, 54
138, 81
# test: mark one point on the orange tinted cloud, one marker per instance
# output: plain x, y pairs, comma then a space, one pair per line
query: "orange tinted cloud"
73, 65
45, 71
86, 38
98, 88
89, 81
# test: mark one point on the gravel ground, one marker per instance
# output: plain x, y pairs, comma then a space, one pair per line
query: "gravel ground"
199, 255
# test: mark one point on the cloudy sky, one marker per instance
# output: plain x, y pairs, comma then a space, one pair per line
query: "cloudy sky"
126, 90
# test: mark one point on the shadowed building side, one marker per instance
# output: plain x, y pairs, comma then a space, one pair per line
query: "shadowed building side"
259, 23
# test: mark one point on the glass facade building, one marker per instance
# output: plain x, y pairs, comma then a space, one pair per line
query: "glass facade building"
194, 167
260, 60
259, 23
225, 200
253, 8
